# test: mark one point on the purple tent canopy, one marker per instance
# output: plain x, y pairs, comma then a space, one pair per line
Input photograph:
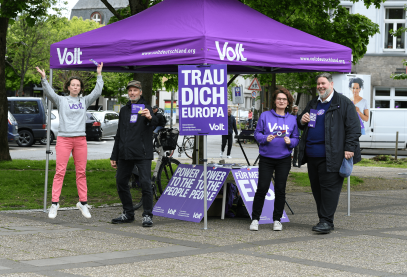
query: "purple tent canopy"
176, 32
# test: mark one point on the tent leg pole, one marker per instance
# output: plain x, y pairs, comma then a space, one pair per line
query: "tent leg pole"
348, 196
48, 145
205, 184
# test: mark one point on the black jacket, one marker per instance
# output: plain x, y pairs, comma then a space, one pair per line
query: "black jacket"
134, 141
232, 125
161, 119
342, 132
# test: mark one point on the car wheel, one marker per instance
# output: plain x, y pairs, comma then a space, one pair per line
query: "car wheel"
99, 138
43, 141
26, 138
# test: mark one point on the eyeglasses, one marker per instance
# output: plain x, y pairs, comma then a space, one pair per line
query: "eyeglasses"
282, 99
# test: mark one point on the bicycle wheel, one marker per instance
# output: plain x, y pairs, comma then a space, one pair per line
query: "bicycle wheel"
135, 190
165, 173
188, 146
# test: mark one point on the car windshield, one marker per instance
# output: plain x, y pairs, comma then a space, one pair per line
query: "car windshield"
99, 116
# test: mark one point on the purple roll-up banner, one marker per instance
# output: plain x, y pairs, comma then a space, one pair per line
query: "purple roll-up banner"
183, 198
202, 98
246, 181
313, 118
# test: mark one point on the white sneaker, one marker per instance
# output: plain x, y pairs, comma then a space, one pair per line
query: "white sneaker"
229, 157
221, 154
53, 210
277, 226
254, 226
84, 209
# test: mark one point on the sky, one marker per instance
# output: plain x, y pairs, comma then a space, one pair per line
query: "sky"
71, 4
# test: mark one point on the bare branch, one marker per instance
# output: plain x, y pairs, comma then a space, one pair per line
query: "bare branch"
110, 8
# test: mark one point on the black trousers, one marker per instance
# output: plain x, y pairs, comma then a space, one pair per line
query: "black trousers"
267, 166
295, 157
124, 169
229, 139
326, 188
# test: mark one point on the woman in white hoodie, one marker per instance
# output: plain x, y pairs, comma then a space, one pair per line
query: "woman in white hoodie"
71, 136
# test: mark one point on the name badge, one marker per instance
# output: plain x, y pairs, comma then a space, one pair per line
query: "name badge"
313, 118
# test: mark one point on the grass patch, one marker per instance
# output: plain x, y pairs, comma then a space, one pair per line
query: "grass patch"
301, 179
22, 184
384, 161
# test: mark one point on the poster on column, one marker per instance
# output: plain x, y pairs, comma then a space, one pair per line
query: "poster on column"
357, 88
183, 198
246, 181
202, 96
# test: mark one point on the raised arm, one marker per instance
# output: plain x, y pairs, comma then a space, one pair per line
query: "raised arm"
49, 92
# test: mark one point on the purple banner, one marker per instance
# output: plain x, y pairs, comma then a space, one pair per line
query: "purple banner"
202, 98
313, 118
246, 181
183, 197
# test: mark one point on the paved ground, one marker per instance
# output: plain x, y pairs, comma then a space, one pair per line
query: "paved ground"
371, 242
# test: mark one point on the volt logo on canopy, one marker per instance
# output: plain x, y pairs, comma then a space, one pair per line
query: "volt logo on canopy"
231, 53
68, 57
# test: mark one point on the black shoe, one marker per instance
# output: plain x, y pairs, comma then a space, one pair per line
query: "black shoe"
147, 221
295, 165
323, 228
123, 218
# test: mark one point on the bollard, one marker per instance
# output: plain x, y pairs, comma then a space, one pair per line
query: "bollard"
397, 145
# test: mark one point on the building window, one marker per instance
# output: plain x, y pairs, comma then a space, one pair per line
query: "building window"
390, 98
394, 20
97, 17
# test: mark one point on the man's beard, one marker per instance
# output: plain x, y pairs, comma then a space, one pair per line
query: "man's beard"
325, 95
135, 100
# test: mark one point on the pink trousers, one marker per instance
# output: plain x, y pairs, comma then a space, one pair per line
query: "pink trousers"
79, 148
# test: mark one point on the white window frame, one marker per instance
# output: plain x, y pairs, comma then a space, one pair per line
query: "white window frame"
98, 20
392, 98
395, 22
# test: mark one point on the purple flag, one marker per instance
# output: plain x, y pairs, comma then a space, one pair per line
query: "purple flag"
202, 96
246, 181
183, 197
313, 118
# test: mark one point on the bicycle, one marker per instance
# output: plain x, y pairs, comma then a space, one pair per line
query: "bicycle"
187, 146
165, 167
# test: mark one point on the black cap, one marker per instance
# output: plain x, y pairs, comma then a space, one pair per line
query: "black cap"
155, 107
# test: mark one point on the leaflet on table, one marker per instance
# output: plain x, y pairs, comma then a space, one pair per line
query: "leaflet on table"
183, 197
246, 181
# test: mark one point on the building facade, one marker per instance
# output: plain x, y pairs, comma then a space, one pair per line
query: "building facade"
385, 54
96, 10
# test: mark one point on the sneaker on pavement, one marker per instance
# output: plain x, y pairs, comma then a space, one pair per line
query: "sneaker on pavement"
123, 218
254, 226
277, 226
229, 157
84, 209
53, 210
147, 221
221, 154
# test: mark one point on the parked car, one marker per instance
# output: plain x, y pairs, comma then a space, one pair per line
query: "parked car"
93, 129
242, 116
109, 122
382, 127
12, 133
31, 118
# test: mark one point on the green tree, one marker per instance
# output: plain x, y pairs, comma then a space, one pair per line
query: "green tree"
134, 7
9, 10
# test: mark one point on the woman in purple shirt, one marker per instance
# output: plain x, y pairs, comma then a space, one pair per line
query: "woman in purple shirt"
277, 134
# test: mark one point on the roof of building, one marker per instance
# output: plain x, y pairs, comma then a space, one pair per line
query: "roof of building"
97, 4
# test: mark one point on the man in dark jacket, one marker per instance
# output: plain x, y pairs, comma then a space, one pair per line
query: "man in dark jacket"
335, 136
133, 146
161, 121
229, 137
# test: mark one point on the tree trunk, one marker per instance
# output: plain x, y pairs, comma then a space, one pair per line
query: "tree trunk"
201, 149
146, 80
298, 99
4, 148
